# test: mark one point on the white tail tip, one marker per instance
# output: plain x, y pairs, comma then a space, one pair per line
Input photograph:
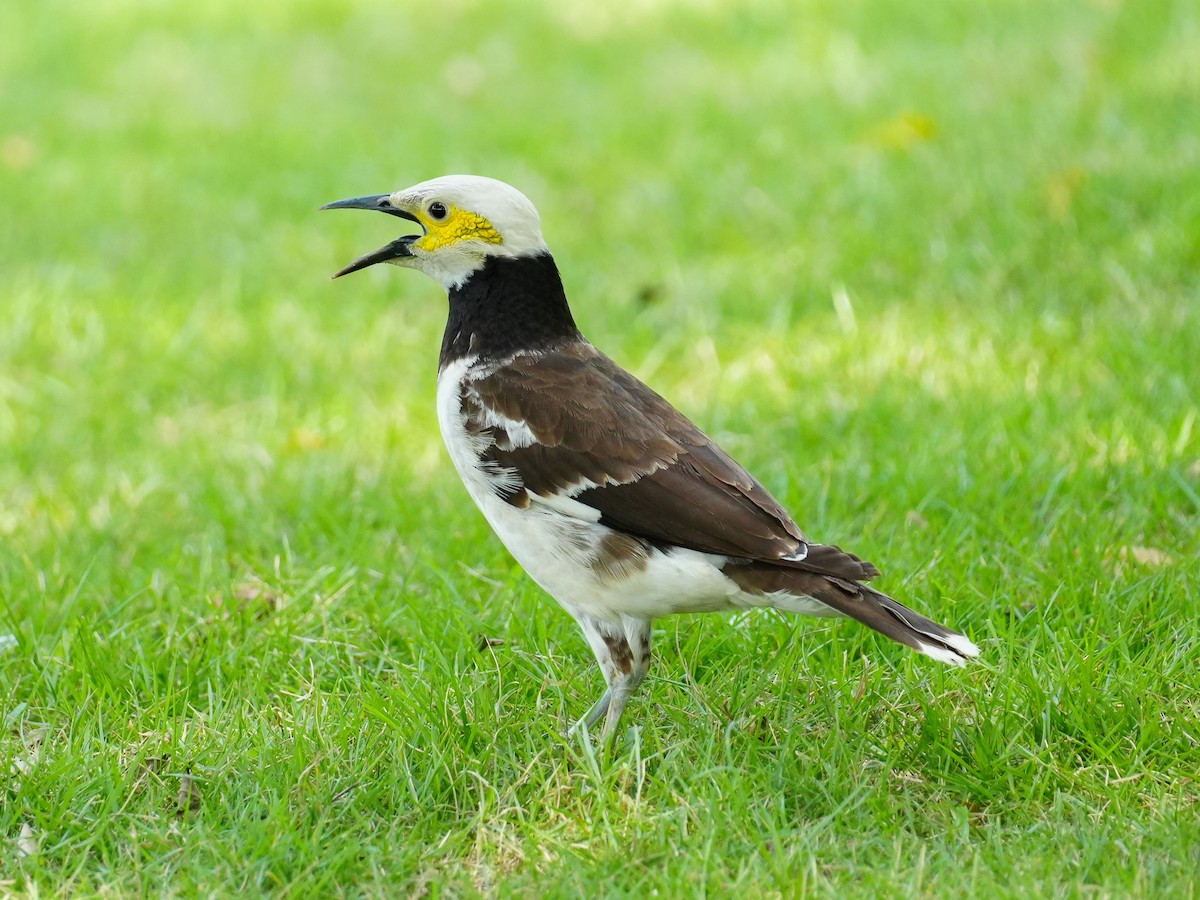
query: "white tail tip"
957, 651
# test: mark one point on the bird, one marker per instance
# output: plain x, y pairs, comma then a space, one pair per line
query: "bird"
611, 500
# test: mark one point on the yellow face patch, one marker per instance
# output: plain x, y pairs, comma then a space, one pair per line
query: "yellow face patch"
458, 226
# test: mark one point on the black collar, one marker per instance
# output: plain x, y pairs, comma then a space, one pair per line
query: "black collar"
509, 305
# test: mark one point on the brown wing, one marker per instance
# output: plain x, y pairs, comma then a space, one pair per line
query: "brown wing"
610, 442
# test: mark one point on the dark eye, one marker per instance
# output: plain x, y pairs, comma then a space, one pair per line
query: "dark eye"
437, 210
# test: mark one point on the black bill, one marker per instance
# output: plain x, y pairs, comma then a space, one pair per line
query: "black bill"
397, 249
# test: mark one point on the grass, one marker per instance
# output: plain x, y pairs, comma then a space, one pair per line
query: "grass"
929, 270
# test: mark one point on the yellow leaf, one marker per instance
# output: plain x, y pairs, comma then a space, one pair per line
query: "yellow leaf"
1062, 189
302, 439
902, 131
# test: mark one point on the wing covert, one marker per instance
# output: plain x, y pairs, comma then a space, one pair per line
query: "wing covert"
573, 422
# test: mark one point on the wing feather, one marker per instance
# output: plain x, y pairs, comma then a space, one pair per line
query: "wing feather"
607, 441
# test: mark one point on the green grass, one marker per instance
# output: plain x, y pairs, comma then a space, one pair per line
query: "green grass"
929, 270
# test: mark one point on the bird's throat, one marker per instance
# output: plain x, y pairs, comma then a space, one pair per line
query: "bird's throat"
509, 305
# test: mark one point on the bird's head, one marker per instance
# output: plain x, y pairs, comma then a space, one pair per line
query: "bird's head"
464, 220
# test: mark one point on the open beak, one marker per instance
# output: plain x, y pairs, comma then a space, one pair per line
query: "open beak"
397, 249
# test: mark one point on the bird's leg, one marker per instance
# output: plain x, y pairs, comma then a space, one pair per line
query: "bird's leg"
599, 708
622, 649
599, 633
637, 639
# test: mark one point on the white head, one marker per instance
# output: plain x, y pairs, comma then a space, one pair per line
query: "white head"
465, 219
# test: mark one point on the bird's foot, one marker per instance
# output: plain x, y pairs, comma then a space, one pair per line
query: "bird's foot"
593, 715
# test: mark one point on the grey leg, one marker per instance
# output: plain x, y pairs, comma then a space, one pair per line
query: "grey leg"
622, 649
599, 708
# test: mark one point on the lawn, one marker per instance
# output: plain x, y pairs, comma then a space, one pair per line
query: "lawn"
930, 270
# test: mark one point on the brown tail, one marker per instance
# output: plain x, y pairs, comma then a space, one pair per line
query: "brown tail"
833, 577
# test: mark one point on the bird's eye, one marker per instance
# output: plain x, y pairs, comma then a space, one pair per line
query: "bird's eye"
437, 210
